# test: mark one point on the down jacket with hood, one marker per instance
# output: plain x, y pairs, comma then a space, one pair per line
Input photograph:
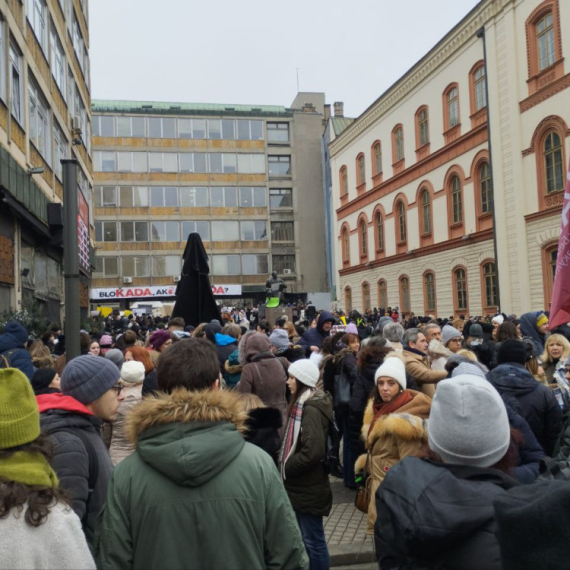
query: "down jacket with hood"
315, 337
13, 338
225, 345
263, 374
439, 516
530, 332
195, 494
533, 401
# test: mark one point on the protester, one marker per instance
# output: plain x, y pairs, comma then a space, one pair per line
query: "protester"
226, 342
312, 339
106, 343
451, 338
116, 357
556, 353
195, 493
301, 458
534, 327
394, 333
393, 427
73, 421
13, 341
46, 381
432, 331
158, 342
95, 348
150, 382
38, 530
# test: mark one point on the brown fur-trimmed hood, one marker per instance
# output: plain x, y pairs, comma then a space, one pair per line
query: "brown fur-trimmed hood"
183, 406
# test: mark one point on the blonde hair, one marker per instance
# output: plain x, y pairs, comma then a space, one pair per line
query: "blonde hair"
251, 402
533, 365
560, 339
290, 328
41, 355
199, 331
468, 354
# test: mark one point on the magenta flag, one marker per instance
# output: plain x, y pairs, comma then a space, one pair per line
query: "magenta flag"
560, 307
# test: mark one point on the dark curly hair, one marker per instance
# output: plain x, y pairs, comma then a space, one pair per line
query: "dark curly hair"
39, 500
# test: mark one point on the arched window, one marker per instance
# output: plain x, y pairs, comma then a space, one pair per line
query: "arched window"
485, 188
405, 294
480, 88
348, 299
452, 107
549, 259
402, 230
426, 212
545, 41
460, 282
361, 173
429, 292
363, 226
379, 231
343, 182
399, 143
490, 285
553, 162
345, 245
377, 158
383, 294
456, 200
423, 127
366, 296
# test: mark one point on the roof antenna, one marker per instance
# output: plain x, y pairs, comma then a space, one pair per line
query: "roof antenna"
298, 90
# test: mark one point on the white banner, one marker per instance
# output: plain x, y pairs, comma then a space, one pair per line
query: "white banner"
113, 294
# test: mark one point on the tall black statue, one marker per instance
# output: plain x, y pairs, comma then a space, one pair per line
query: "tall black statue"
195, 301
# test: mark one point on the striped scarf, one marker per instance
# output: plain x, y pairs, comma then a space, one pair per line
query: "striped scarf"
293, 430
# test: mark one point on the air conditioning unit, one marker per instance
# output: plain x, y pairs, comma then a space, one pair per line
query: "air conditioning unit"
127, 280
177, 278
287, 272
76, 124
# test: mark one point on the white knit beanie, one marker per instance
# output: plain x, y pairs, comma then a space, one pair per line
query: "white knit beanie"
468, 423
499, 319
394, 368
132, 372
305, 371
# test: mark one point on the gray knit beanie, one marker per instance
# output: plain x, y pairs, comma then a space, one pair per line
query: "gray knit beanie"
116, 356
279, 338
87, 378
468, 423
448, 332
468, 367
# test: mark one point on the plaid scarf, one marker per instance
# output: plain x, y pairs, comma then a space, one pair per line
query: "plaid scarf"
293, 430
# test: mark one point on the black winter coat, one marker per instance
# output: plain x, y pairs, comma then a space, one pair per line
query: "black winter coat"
345, 363
150, 383
263, 425
315, 337
533, 401
438, 516
306, 481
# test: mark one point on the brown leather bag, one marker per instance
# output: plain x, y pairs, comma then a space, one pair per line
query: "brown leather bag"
362, 500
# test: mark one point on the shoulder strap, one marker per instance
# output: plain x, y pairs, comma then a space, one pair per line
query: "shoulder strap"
6, 356
284, 367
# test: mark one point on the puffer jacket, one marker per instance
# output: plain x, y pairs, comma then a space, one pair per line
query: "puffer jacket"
195, 494
225, 345
345, 363
12, 340
263, 374
438, 354
533, 401
120, 445
392, 437
306, 480
60, 416
438, 516
315, 337
232, 370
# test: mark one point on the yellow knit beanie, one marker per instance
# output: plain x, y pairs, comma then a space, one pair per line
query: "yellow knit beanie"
541, 319
19, 414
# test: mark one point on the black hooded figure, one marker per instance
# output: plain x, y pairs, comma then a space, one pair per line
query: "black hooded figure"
195, 301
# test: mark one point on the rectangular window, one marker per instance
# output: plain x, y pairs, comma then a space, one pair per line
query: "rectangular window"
107, 126
480, 91
105, 231
215, 160
58, 65
184, 128
202, 228
282, 231
225, 231
37, 16
133, 196
39, 121
163, 161
278, 133
194, 197
198, 128
214, 129
166, 265
163, 197
254, 264
229, 163
61, 150
200, 162
253, 230
284, 262
186, 162
2, 59
252, 197
168, 128
280, 198
131, 127
135, 266
225, 265
251, 163
78, 46
545, 38
165, 231
243, 130
154, 128
123, 127
106, 267
105, 196
279, 166
138, 125
223, 197
228, 129
16, 83
134, 231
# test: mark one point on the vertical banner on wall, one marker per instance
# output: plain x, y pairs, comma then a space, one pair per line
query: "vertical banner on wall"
83, 232
560, 307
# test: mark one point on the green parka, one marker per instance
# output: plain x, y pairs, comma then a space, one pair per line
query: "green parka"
195, 494
306, 480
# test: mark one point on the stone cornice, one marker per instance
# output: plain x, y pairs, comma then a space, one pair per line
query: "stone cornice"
451, 43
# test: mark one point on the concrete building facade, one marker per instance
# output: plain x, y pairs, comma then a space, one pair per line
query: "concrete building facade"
248, 179
420, 185
44, 117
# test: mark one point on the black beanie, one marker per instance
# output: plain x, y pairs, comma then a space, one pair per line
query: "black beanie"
42, 379
512, 351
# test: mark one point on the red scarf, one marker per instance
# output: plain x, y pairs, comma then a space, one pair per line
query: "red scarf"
386, 408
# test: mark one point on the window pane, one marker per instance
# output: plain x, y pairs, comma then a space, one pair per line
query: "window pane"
155, 161
154, 128
280, 198
156, 196
244, 163
215, 162
140, 196
259, 198
108, 162
200, 165
170, 160
140, 162
243, 130
278, 132
171, 196
107, 126
230, 163
225, 231
246, 197
186, 162
185, 128
168, 128
111, 265
109, 196
124, 162
127, 231
126, 196
228, 129
139, 127
141, 231
216, 197
256, 130
283, 262
172, 231
194, 197
199, 128
123, 126
214, 129
279, 165
258, 164
231, 198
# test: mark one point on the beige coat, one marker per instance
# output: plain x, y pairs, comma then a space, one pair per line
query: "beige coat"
392, 438
120, 445
418, 368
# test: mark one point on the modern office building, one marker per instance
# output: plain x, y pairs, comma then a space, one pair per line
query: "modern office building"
448, 193
247, 178
44, 117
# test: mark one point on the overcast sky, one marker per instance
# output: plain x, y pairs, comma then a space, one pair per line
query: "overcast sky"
248, 51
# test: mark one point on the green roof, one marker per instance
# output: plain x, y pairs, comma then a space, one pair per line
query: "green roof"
340, 124
164, 108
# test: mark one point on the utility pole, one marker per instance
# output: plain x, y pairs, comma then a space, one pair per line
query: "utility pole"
71, 259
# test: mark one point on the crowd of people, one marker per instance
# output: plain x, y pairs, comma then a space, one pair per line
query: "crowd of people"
169, 446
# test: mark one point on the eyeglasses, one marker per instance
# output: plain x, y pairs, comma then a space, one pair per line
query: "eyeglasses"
456, 340
118, 388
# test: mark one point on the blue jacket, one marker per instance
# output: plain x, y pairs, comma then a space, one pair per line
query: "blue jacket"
315, 337
14, 338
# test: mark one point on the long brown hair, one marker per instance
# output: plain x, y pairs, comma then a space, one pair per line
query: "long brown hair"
39, 500
299, 389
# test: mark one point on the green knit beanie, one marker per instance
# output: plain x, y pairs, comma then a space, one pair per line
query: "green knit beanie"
19, 413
